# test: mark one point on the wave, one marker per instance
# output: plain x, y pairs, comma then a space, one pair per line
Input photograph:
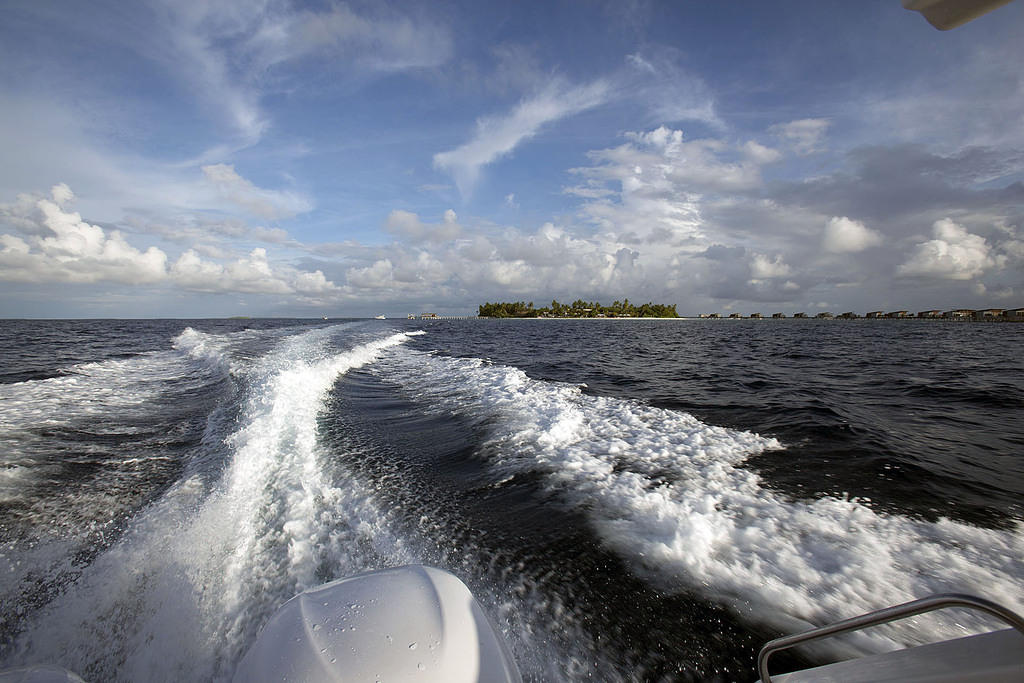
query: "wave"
669, 494
187, 587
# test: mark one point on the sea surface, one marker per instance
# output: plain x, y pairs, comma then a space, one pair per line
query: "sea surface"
638, 500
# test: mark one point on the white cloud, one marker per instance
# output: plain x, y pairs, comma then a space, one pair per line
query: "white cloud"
843, 235
763, 268
496, 137
261, 202
1013, 248
669, 92
253, 274
376, 276
804, 136
654, 186
384, 43
954, 254
192, 46
408, 226
62, 247
59, 246
760, 154
62, 194
705, 165
227, 51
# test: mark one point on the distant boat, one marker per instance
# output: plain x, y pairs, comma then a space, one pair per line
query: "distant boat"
324, 317
379, 317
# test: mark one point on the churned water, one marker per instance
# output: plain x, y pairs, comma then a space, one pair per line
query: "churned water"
629, 500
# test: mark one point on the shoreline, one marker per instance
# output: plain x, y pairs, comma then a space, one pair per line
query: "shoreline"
761, 320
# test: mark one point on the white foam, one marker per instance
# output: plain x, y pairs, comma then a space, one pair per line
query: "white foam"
664, 490
188, 586
95, 391
101, 397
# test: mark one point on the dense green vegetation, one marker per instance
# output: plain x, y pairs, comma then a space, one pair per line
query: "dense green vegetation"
577, 309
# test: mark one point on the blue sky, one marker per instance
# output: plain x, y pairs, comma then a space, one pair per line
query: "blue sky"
271, 158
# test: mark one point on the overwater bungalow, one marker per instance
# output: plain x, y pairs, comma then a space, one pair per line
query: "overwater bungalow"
959, 314
988, 314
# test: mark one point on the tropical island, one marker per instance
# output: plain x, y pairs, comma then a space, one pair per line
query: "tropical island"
577, 309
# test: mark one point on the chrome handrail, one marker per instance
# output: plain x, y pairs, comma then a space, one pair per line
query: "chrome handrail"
884, 616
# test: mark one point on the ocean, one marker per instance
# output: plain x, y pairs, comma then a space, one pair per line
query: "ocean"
638, 500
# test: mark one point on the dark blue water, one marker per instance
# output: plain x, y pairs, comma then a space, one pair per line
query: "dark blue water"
630, 500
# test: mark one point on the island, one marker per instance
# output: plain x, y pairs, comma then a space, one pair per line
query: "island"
577, 309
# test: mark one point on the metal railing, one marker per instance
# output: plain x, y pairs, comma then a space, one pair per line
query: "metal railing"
884, 616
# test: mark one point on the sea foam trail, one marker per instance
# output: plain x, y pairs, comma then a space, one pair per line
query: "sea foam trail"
49, 426
665, 491
186, 589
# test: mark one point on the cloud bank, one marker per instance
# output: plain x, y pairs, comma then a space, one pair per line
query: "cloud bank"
56, 245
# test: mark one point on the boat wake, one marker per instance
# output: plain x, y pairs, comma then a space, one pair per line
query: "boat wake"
669, 494
188, 585
272, 486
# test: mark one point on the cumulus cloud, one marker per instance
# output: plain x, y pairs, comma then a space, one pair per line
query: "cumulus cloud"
654, 187
762, 267
804, 136
379, 275
258, 201
57, 245
252, 273
954, 254
498, 136
62, 194
64, 248
705, 165
843, 235
506, 261
408, 226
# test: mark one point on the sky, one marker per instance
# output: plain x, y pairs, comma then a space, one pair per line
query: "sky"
263, 158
